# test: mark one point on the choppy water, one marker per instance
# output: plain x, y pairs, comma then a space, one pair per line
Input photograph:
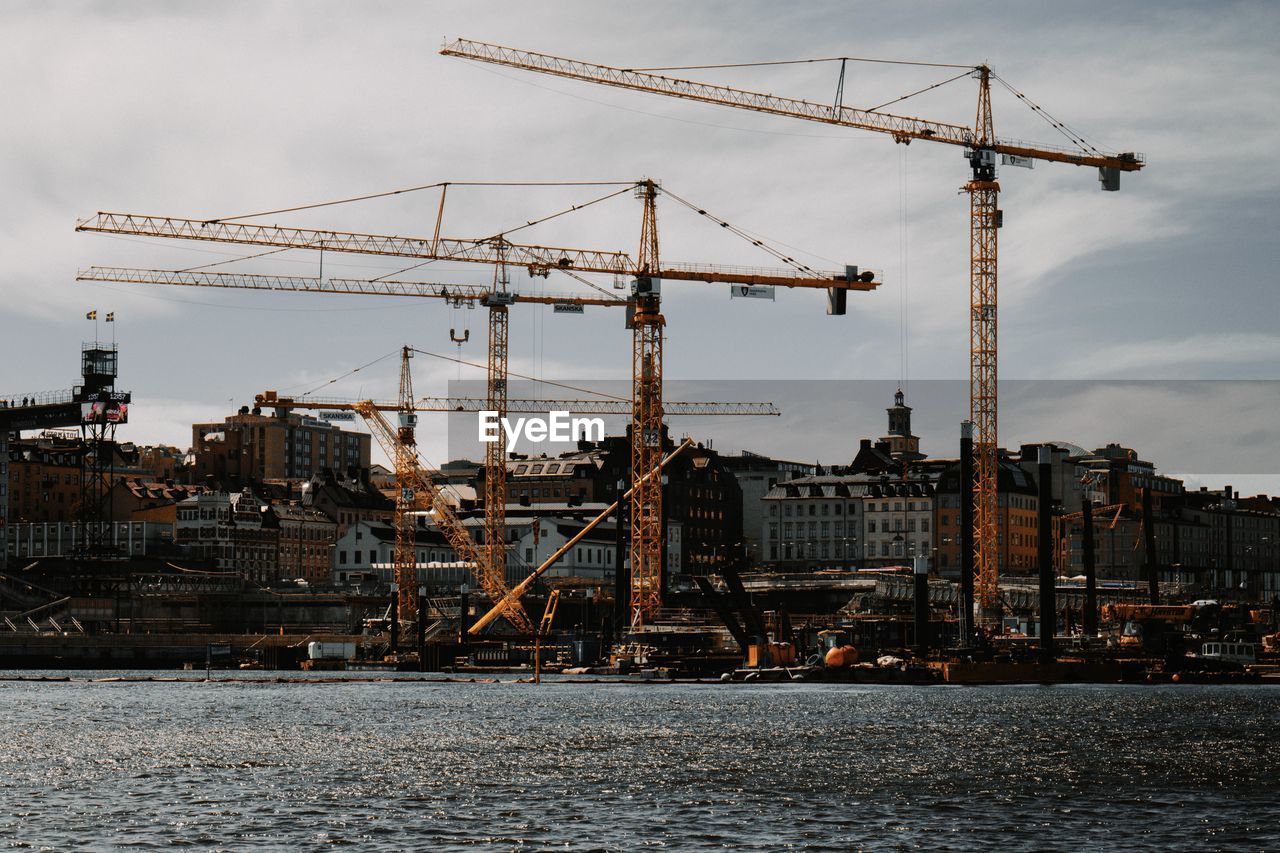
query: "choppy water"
255, 764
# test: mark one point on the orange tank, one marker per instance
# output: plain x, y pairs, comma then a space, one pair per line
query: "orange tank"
841, 657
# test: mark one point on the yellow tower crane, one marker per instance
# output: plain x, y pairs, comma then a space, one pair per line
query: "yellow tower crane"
399, 442
982, 147
646, 319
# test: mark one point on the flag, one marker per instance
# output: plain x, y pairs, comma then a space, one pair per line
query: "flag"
111, 317
92, 315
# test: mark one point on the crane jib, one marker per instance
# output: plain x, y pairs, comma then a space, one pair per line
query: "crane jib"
901, 128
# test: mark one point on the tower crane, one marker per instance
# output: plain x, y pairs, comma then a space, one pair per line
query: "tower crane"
645, 320
982, 147
399, 443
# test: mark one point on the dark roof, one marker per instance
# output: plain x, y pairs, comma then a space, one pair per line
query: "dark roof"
159, 490
1011, 478
285, 512
855, 486
422, 535
349, 494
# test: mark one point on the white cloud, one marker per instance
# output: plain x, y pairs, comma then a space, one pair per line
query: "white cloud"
220, 109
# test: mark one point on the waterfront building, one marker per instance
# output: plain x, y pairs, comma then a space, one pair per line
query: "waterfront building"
250, 446
367, 549
756, 476
1017, 505
349, 499
815, 522
876, 512
44, 477
305, 540
35, 540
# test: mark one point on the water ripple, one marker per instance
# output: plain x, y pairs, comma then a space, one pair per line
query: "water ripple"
585, 767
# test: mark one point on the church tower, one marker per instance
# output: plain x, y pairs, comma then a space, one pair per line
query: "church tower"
902, 444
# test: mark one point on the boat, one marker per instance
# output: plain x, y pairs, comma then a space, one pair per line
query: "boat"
1228, 652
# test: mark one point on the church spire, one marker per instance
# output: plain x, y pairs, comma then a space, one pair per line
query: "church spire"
902, 444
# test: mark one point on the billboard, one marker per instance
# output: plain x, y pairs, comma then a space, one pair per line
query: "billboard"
751, 291
104, 411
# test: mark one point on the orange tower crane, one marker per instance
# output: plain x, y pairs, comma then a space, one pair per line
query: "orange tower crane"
491, 569
646, 320
490, 563
982, 146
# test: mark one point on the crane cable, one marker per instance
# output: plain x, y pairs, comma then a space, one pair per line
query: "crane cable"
343, 376
733, 229
1075, 136
801, 62
571, 209
501, 234
959, 76
402, 191
524, 376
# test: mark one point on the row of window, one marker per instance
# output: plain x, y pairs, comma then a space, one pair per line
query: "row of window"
791, 508
838, 550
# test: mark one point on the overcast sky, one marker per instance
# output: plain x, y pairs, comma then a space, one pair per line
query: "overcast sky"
218, 109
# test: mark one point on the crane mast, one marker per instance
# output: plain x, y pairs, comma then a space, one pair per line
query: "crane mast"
982, 146
984, 224
646, 421
405, 564
495, 452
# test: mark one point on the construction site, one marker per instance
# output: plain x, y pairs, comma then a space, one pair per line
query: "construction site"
490, 607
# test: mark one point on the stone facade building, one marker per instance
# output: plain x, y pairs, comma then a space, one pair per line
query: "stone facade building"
251, 447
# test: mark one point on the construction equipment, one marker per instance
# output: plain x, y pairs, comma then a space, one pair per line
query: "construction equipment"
1064, 524
645, 319
490, 571
517, 405
647, 322
981, 147
544, 630
521, 588
413, 482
